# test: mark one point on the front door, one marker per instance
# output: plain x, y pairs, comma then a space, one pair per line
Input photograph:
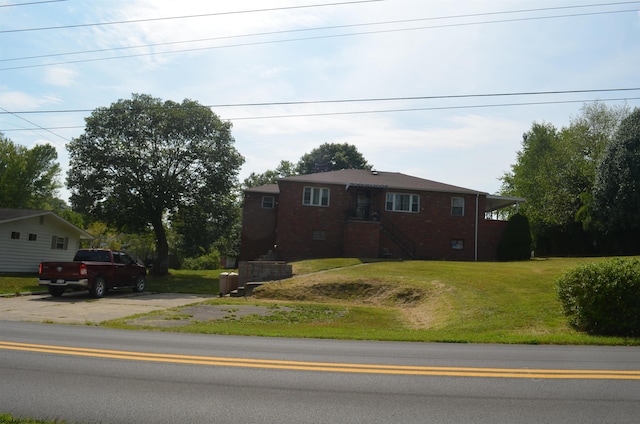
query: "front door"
363, 204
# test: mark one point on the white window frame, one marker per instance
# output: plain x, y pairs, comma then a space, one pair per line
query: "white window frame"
394, 202
266, 205
315, 196
455, 208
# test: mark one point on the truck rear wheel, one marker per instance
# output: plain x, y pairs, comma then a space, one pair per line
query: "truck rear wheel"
99, 287
56, 291
141, 282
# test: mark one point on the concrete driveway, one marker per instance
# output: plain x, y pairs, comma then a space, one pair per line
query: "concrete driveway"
79, 308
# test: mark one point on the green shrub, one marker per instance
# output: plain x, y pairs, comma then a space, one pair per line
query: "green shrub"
603, 297
515, 244
209, 261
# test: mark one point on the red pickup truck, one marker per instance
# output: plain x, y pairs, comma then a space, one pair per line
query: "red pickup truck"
96, 270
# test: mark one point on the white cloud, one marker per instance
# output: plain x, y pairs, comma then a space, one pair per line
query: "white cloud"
61, 76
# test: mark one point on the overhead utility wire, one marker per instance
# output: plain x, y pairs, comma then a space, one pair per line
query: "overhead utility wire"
31, 3
375, 99
314, 29
34, 124
363, 112
426, 109
236, 12
310, 38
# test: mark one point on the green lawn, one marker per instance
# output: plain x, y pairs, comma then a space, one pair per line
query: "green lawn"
478, 302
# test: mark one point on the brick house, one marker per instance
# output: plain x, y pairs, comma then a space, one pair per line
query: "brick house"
369, 214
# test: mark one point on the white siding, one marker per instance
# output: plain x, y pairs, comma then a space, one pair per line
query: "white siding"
24, 255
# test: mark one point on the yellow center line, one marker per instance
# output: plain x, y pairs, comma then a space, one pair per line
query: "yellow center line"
326, 366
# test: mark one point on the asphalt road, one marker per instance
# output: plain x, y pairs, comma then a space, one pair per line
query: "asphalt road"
91, 374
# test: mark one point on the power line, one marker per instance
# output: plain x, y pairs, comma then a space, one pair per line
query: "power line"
186, 16
313, 38
33, 123
373, 99
330, 28
363, 112
31, 3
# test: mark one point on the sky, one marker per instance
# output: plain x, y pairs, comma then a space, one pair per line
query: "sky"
439, 89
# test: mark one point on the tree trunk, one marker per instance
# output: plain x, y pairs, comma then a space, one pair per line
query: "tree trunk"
161, 267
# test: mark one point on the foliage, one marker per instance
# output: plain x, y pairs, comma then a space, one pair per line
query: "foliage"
141, 161
285, 169
616, 197
331, 157
202, 225
28, 177
555, 171
210, 260
515, 244
603, 298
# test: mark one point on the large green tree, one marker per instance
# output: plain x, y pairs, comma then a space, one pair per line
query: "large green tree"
331, 157
28, 177
141, 161
555, 171
616, 196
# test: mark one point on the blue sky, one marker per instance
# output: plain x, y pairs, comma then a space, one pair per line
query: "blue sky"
319, 50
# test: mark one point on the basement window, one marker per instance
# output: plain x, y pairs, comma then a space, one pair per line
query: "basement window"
457, 244
319, 235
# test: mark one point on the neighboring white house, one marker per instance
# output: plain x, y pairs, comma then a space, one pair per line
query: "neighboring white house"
28, 237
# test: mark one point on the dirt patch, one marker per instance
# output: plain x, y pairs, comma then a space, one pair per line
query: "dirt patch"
194, 314
370, 292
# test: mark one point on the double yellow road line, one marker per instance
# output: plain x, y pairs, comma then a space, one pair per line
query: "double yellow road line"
326, 366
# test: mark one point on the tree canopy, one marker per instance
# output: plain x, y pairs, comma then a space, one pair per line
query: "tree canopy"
616, 197
556, 170
142, 161
326, 157
28, 177
331, 157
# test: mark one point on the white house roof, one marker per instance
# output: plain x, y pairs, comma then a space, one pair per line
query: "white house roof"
9, 215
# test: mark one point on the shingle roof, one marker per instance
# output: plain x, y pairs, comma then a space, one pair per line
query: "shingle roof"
8, 215
392, 180
12, 214
266, 189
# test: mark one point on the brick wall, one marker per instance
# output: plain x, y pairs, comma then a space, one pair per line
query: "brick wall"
258, 235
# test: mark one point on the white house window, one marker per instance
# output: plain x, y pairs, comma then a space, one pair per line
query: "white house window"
457, 244
59, 243
402, 202
319, 235
457, 206
15, 235
33, 237
268, 202
315, 196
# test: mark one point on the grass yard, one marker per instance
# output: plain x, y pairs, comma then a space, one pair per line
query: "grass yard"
466, 302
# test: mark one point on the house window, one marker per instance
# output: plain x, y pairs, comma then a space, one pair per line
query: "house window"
457, 206
315, 196
33, 237
59, 243
457, 244
319, 235
15, 235
268, 202
401, 202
